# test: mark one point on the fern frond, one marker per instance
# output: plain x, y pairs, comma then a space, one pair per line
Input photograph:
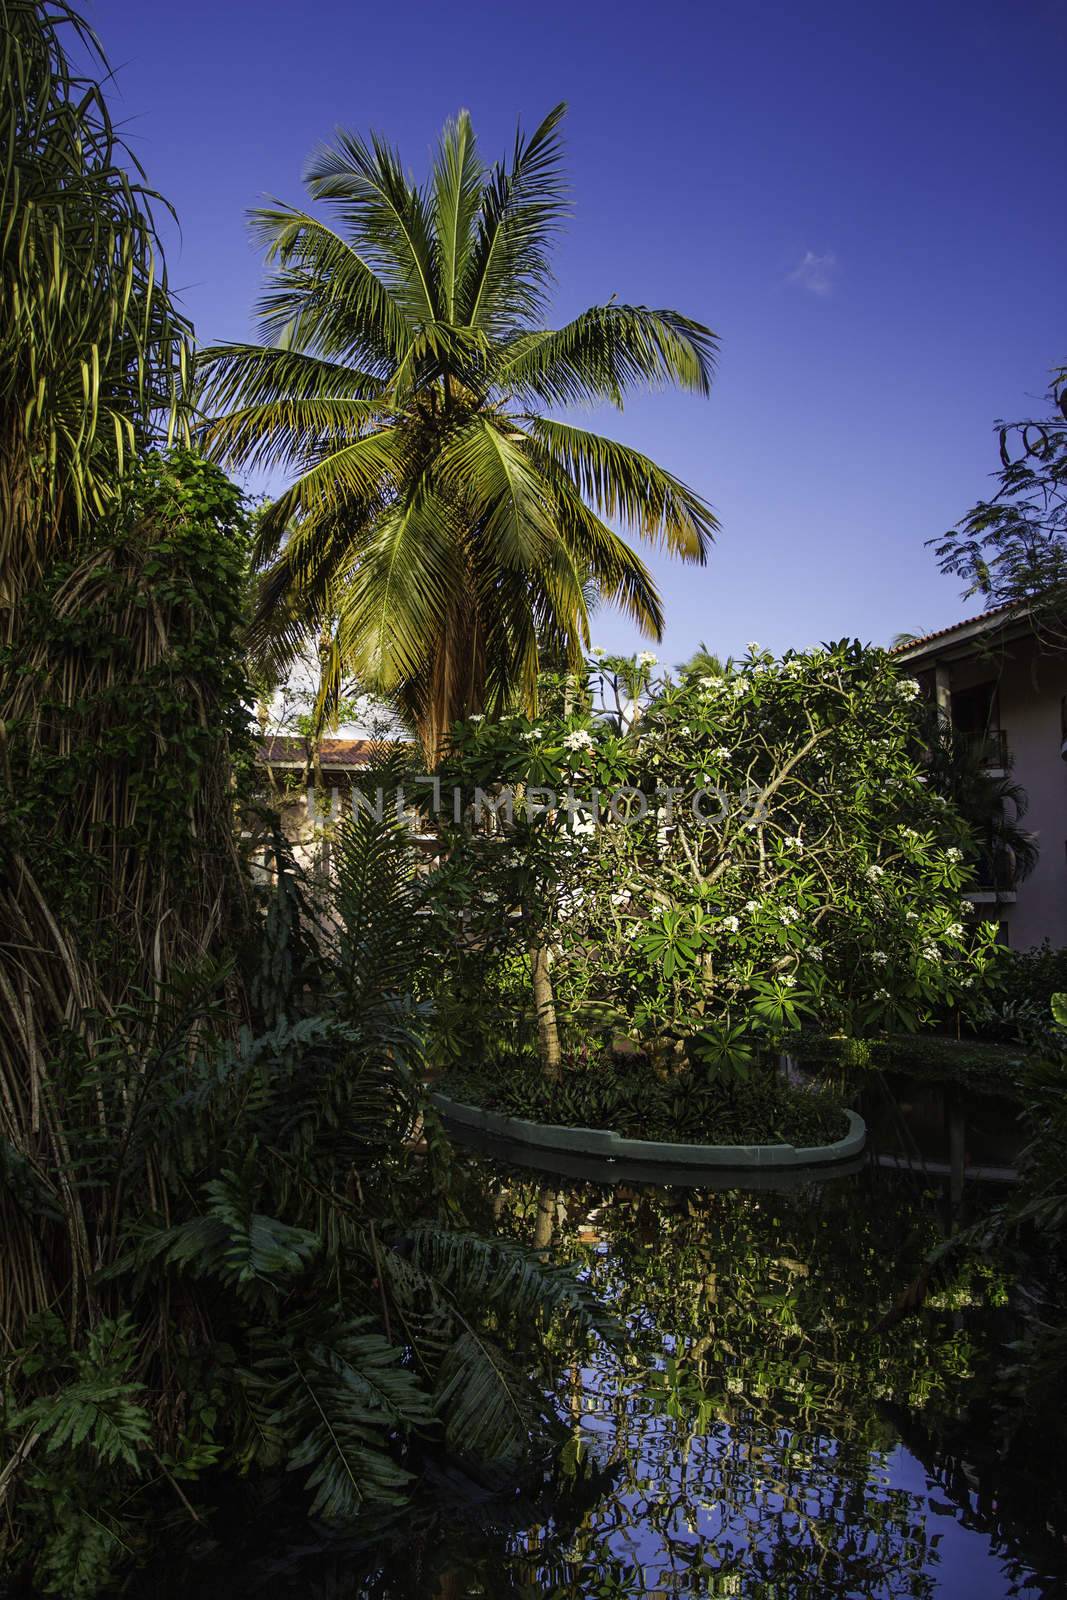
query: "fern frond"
98, 1409
342, 1408
517, 1282
240, 1247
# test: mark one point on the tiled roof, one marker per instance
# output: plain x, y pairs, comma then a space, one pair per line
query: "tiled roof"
287, 749
941, 633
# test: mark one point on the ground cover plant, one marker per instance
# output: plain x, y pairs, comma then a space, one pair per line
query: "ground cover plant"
687, 1106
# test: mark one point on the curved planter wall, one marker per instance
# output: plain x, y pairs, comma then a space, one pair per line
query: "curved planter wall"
610, 1146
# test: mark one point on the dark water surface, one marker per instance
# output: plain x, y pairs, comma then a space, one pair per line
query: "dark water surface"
764, 1438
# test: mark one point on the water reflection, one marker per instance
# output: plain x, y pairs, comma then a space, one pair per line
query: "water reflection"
752, 1436
771, 1434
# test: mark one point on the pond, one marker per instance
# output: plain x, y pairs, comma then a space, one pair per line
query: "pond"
765, 1436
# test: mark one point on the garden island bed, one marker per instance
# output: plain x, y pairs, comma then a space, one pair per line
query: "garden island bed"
684, 1120
610, 1146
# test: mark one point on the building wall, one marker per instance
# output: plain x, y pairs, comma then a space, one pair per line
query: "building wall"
1031, 688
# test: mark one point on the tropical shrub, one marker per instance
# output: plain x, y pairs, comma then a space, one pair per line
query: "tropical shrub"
719, 861
1018, 1006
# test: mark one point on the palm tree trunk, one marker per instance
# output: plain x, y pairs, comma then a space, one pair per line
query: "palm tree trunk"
545, 1007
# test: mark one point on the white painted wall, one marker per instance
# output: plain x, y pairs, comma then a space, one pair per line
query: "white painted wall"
1031, 687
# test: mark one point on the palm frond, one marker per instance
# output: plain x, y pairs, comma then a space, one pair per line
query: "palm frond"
393, 610
488, 468
328, 298
376, 898
607, 351
457, 193
623, 483
523, 208
386, 216
517, 1282
360, 471
242, 1248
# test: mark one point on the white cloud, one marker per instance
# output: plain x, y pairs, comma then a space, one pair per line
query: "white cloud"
815, 273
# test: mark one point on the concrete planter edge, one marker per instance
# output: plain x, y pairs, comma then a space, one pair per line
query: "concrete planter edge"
613, 1147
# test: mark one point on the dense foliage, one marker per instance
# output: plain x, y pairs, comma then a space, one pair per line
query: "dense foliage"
93, 350
273, 1279
125, 705
978, 1065
747, 853
229, 1251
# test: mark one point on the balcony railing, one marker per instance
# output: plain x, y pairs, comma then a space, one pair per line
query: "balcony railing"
990, 748
996, 870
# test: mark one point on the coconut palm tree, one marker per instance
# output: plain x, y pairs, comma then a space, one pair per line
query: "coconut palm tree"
440, 525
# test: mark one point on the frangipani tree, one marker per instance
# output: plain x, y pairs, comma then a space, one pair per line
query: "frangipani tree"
759, 852
443, 529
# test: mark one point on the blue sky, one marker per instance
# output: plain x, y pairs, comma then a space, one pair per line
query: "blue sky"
865, 201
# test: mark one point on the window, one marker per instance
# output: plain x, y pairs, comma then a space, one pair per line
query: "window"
976, 715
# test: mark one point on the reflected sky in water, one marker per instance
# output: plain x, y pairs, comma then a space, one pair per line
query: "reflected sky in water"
755, 1440
770, 1432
